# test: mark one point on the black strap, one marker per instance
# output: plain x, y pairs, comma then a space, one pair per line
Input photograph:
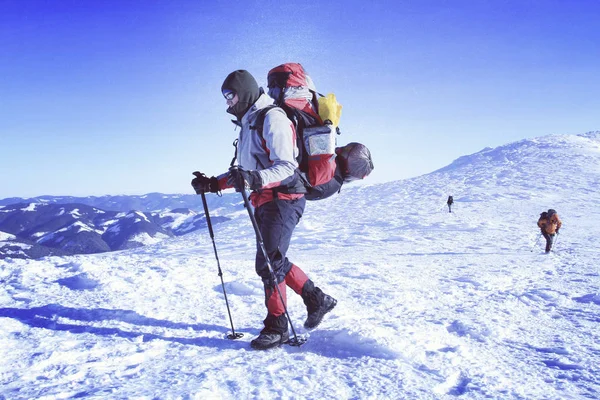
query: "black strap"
235, 142
260, 119
258, 126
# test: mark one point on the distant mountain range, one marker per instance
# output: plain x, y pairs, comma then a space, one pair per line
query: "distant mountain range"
45, 227
148, 202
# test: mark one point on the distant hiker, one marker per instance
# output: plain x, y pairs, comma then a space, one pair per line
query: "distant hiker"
550, 224
450, 202
268, 165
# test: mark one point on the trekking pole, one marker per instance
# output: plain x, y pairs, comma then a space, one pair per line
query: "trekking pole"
296, 341
536, 242
555, 241
233, 335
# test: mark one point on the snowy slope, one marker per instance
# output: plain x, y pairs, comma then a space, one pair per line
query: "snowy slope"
432, 304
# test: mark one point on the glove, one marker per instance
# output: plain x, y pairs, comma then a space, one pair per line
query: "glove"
202, 184
238, 177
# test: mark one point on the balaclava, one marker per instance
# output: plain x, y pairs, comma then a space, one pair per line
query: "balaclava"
244, 84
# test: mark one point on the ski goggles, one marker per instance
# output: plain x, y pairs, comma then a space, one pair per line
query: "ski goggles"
228, 94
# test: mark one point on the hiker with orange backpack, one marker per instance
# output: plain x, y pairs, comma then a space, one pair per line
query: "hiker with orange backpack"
550, 224
266, 163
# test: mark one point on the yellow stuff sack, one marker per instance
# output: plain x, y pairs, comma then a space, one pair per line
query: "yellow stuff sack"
330, 110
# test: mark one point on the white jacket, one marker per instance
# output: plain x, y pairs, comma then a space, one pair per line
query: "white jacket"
273, 155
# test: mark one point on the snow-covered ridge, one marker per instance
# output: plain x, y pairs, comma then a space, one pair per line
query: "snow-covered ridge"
529, 149
594, 135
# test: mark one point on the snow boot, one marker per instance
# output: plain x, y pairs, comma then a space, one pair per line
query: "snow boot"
317, 304
274, 334
269, 339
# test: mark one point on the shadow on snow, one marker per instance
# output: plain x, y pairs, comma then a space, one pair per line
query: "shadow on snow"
46, 317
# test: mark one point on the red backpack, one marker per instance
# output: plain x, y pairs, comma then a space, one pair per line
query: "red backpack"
323, 167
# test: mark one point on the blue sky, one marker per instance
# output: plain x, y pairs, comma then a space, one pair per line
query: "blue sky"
123, 97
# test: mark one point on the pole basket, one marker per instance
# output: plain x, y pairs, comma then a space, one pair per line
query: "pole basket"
297, 341
233, 336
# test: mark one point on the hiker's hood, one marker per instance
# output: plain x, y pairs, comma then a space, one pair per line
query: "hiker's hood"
246, 88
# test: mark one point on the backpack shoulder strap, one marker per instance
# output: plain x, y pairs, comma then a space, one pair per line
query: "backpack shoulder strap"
260, 119
235, 142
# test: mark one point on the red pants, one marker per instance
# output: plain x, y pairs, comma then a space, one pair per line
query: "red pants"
295, 279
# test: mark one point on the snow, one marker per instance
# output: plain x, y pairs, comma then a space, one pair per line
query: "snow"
178, 219
431, 304
18, 244
139, 217
108, 223
185, 228
78, 226
6, 236
51, 236
145, 239
30, 207
114, 229
9, 247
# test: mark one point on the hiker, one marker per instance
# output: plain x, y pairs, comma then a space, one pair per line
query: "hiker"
269, 167
550, 224
450, 202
